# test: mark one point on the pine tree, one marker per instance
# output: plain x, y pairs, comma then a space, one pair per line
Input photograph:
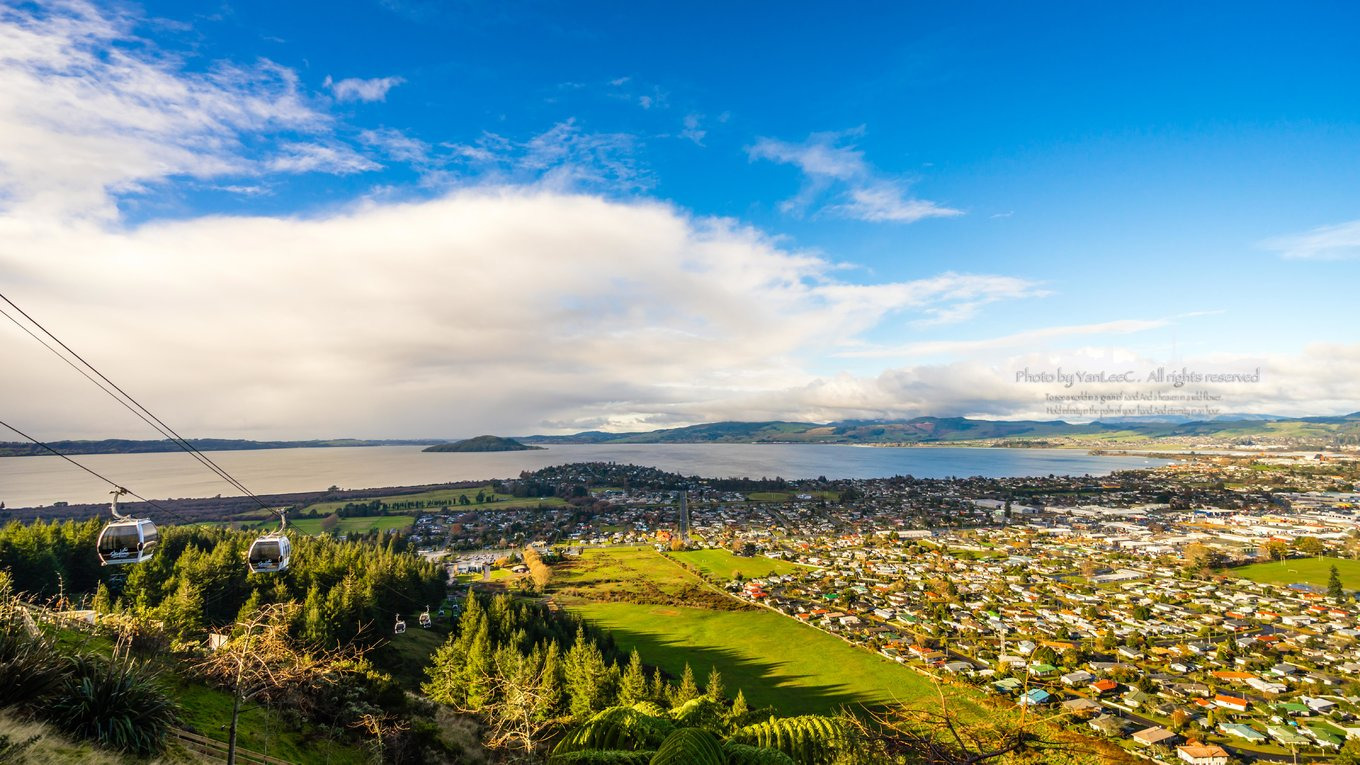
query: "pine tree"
316, 627
103, 600
1334, 590
739, 707
687, 690
477, 672
446, 668
659, 691
633, 684
552, 678
587, 677
713, 689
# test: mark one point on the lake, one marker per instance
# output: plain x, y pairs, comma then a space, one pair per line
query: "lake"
34, 481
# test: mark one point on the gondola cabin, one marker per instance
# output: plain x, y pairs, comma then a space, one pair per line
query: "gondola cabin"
400, 626
270, 554
130, 540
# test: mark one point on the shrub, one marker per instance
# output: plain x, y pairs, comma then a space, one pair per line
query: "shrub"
30, 670
115, 702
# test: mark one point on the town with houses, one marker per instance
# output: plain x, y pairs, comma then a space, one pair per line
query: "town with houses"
1113, 603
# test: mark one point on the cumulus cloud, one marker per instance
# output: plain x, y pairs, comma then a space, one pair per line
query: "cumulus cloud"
356, 89
1321, 378
492, 309
834, 168
1338, 242
83, 119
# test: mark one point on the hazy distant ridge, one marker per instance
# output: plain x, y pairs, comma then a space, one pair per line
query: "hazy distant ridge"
921, 430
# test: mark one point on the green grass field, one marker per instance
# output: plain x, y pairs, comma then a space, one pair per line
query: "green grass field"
599, 572
721, 563
380, 522
1301, 571
774, 659
441, 497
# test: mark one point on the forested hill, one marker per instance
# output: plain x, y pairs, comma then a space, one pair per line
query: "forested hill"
127, 446
482, 444
924, 430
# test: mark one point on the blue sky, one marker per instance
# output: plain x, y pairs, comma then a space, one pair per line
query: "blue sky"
918, 199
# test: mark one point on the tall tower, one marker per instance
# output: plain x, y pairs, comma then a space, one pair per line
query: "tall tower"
684, 516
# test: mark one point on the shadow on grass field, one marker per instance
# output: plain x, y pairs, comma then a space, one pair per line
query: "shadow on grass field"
774, 659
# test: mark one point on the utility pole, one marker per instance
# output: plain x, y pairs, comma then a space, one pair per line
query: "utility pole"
684, 516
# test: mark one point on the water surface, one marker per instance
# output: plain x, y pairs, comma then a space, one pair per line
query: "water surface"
32, 481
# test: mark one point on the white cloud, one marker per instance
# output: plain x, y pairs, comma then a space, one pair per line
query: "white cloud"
397, 145
355, 89
486, 310
1030, 339
85, 118
1321, 378
1338, 242
692, 130
565, 157
834, 168
882, 201
332, 158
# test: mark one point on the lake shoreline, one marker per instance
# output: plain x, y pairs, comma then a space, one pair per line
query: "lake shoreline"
42, 481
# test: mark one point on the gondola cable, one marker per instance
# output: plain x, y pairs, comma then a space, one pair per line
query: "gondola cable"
268, 554
141, 411
101, 477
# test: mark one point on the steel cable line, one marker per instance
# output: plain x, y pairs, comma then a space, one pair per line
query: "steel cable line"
141, 411
100, 476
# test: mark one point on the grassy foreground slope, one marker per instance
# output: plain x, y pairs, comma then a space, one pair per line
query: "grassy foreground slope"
774, 659
1313, 571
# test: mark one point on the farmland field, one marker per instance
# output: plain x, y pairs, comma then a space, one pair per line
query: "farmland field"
721, 563
1301, 571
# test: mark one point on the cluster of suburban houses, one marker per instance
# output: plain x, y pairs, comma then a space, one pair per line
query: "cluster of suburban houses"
1085, 612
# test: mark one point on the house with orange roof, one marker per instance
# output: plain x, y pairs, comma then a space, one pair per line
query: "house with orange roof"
1102, 687
1231, 702
1196, 753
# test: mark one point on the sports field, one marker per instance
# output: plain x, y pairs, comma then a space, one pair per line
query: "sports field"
721, 563
1301, 571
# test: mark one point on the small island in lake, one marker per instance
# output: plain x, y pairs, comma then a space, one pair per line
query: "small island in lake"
482, 444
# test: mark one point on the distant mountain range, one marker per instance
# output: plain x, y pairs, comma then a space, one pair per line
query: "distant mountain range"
1306, 432
924, 430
